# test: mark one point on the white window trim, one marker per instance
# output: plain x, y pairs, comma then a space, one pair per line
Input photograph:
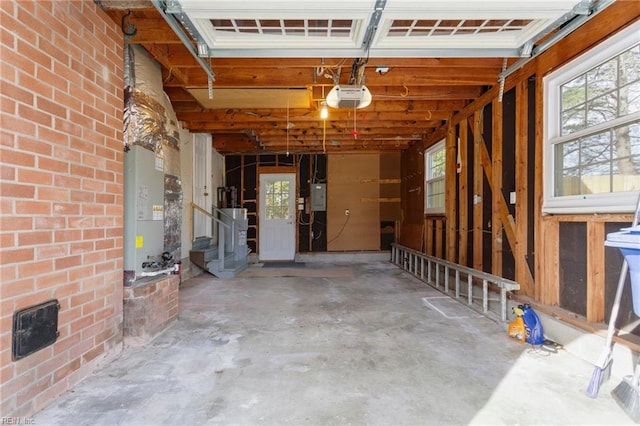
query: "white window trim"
427, 152
617, 202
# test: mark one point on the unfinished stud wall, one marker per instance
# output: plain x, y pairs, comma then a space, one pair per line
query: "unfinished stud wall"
559, 261
61, 207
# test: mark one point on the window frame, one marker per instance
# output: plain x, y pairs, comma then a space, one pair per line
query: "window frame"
612, 202
428, 179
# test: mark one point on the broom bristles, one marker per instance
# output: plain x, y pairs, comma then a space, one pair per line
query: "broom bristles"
628, 397
599, 376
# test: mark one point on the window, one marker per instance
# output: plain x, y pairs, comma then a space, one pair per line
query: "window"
592, 129
277, 199
434, 170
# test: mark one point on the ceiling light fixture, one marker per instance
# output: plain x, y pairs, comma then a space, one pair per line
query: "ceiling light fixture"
343, 96
324, 112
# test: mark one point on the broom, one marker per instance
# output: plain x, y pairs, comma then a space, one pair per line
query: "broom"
602, 369
627, 395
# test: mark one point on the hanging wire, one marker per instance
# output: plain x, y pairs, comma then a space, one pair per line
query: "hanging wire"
324, 136
501, 92
287, 123
210, 80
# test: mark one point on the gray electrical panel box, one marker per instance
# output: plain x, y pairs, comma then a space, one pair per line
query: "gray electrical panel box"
318, 197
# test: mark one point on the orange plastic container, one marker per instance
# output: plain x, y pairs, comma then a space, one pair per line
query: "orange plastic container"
516, 330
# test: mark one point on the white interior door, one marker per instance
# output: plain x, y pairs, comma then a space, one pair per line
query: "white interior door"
202, 191
277, 224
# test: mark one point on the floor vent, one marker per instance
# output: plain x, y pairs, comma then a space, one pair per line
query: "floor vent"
34, 328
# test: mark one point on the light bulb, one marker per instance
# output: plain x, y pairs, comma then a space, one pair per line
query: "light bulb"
324, 112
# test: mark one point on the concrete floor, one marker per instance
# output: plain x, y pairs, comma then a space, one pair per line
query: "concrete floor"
346, 344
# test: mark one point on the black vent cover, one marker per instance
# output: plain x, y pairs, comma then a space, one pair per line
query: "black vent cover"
34, 328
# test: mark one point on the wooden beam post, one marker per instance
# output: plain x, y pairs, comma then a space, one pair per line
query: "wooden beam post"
463, 194
451, 208
478, 180
549, 262
595, 271
523, 273
496, 216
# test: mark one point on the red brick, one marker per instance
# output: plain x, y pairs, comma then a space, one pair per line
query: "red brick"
93, 185
80, 299
83, 196
93, 209
52, 251
52, 108
34, 238
53, 165
105, 198
36, 86
18, 383
7, 106
32, 208
58, 83
53, 194
64, 344
28, 20
64, 98
92, 234
7, 207
80, 273
55, 25
94, 353
34, 115
33, 53
92, 331
70, 127
92, 307
28, 394
6, 139
17, 288
17, 125
67, 262
65, 370
35, 268
104, 244
68, 154
52, 280
82, 247
55, 137
52, 364
81, 323
101, 268
22, 63
83, 171
34, 145
66, 209
7, 240
93, 258
34, 176
66, 289
81, 222
7, 172
18, 158
16, 190
70, 182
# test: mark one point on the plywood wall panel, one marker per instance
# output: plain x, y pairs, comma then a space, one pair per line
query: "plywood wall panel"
354, 179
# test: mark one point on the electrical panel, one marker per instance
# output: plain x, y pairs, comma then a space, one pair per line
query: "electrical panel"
318, 197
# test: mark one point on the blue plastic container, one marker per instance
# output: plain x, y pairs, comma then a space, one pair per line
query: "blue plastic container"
627, 240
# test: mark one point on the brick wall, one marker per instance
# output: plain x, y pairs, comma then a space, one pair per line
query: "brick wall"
61, 191
149, 308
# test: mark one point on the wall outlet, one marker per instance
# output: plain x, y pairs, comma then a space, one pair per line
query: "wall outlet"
347, 212
512, 197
